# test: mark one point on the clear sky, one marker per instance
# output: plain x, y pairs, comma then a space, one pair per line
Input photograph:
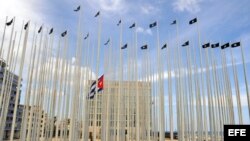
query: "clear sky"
219, 21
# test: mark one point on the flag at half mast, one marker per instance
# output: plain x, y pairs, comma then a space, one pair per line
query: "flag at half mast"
93, 86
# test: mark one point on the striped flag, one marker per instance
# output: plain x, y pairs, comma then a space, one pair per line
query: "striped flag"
92, 90
93, 87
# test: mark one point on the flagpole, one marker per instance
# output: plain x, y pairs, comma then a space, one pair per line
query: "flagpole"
237, 91
219, 122
97, 70
26, 109
119, 87
1, 49
187, 98
34, 108
3, 87
229, 91
41, 99
192, 112
87, 82
178, 93
19, 81
148, 98
4, 83
210, 98
245, 77
85, 92
200, 129
7, 84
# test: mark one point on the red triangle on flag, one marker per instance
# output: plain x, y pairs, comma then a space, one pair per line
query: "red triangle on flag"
100, 82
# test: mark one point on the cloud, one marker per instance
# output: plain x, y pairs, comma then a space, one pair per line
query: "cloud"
144, 31
192, 6
22, 9
148, 9
109, 6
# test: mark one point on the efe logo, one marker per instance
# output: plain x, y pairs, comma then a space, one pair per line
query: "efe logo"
234, 132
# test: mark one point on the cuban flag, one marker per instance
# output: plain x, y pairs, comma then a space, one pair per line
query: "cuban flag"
93, 87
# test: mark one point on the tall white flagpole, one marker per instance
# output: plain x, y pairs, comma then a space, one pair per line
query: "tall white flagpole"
245, 77
237, 91
119, 87
19, 81
2, 43
97, 72
3, 87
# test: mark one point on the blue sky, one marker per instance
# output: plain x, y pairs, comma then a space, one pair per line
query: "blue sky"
219, 21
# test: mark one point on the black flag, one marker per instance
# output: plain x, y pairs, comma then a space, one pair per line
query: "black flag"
174, 22
97, 14
86, 37
206, 45
226, 45
186, 44
236, 44
193, 21
125, 46
120, 21
144, 47
107, 42
40, 29
152, 24
77, 9
164, 46
51, 31
9, 23
133, 25
64, 33
26, 25
215, 45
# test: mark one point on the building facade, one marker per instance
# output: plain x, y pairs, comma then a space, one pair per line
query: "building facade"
115, 113
8, 97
